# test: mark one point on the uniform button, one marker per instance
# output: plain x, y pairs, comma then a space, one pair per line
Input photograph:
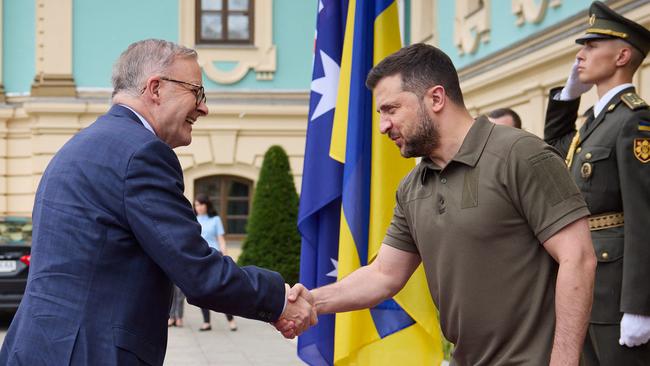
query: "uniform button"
578, 150
443, 180
604, 255
588, 156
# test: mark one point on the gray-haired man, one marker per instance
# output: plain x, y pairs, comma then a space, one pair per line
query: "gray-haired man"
112, 231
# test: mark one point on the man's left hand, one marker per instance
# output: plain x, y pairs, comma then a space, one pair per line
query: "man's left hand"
635, 330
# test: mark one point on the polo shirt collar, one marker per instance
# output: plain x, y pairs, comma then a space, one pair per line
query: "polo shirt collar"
474, 143
471, 149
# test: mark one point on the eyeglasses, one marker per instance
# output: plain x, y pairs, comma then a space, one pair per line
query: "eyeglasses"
198, 90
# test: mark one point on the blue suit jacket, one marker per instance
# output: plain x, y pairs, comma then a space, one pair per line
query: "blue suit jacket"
112, 231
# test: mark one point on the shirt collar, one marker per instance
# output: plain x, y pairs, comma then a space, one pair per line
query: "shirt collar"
471, 149
144, 121
474, 142
602, 102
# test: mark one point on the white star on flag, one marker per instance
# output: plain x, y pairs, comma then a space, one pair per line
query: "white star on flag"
335, 272
326, 86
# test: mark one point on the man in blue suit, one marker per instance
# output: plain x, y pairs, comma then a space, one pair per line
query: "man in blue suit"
112, 231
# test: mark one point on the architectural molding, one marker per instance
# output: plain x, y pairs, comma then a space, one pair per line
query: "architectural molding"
232, 140
53, 49
5, 115
472, 25
260, 57
520, 77
53, 85
559, 38
531, 11
561, 33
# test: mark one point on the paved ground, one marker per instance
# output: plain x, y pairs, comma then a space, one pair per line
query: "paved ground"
253, 344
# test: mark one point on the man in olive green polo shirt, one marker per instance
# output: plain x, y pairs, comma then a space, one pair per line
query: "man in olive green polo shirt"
490, 212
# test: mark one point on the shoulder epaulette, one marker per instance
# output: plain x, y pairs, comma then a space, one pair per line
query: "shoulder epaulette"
633, 101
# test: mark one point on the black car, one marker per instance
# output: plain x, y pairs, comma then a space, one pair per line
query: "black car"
15, 249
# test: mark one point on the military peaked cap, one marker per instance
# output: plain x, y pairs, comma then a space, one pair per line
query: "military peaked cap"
604, 23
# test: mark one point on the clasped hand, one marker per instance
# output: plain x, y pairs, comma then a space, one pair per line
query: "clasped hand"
299, 314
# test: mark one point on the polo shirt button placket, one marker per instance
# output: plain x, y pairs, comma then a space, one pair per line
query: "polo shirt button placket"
442, 207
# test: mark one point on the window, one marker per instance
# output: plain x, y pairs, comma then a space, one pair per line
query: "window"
224, 21
258, 53
231, 196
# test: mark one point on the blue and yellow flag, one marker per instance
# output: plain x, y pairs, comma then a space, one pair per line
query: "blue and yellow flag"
319, 216
364, 168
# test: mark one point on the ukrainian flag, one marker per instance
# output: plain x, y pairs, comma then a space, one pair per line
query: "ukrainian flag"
403, 330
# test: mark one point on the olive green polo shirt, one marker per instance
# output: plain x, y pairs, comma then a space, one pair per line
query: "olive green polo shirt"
478, 225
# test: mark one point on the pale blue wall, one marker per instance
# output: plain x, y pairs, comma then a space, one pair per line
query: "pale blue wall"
504, 32
294, 23
18, 45
103, 29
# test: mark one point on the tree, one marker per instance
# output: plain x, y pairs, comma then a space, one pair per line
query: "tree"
273, 240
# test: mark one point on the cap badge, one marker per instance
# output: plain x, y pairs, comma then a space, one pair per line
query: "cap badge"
592, 19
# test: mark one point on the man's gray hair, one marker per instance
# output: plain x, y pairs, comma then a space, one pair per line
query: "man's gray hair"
143, 59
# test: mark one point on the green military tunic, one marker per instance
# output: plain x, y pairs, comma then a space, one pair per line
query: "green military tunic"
478, 225
611, 166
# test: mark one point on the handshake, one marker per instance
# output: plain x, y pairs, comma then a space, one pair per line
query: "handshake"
299, 313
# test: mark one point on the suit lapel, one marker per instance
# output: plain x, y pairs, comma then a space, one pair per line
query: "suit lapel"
588, 128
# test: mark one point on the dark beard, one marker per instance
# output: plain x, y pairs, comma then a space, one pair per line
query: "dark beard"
425, 138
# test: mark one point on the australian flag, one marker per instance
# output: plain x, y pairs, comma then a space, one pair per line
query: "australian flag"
320, 199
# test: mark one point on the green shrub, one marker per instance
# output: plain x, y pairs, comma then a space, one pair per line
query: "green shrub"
273, 240
447, 349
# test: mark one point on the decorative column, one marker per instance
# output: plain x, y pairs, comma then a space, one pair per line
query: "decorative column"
2, 88
53, 49
424, 21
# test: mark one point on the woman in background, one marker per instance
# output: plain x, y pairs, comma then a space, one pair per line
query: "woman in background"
176, 311
212, 231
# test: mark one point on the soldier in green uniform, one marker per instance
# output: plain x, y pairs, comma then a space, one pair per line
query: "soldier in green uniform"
609, 158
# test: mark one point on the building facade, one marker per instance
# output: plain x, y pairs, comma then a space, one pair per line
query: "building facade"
509, 53
256, 55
